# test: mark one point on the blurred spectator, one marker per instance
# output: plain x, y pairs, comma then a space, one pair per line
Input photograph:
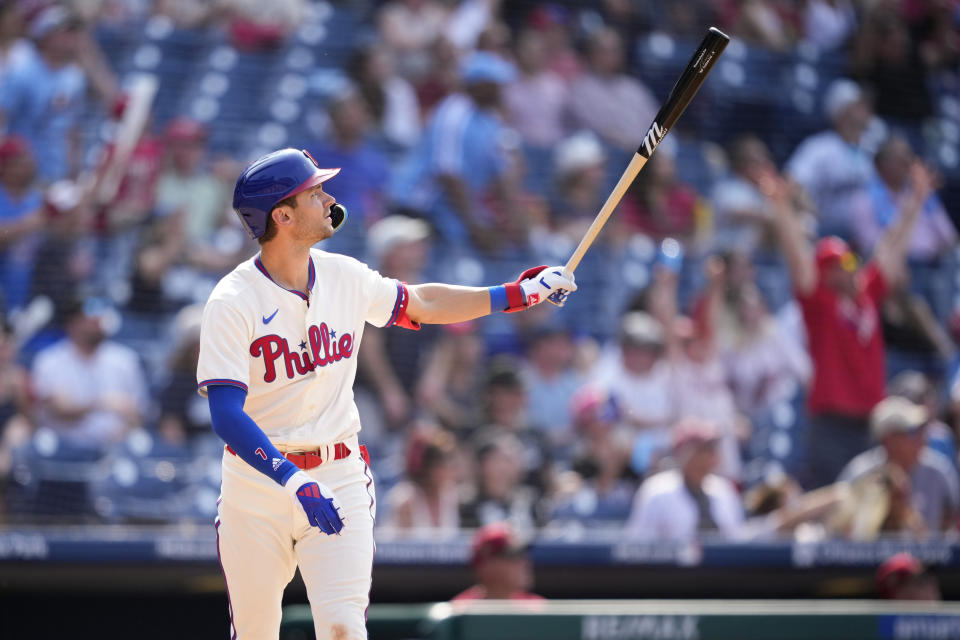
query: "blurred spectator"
887, 61
935, 26
460, 173
767, 23
195, 192
363, 175
934, 235
898, 426
777, 507
90, 390
391, 361
186, 14
840, 309
668, 207
65, 255
833, 165
639, 378
698, 377
255, 25
184, 415
426, 503
505, 412
41, 95
828, 24
499, 491
903, 577
549, 375
409, 28
13, 46
441, 78
555, 22
158, 254
502, 566
600, 485
690, 501
742, 214
15, 426
391, 99
20, 220
918, 389
451, 384
538, 100
608, 101
765, 365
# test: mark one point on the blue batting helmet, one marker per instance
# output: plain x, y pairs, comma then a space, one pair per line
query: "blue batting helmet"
276, 176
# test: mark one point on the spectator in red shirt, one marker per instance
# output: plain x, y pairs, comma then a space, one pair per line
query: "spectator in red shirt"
502, 566
841, 310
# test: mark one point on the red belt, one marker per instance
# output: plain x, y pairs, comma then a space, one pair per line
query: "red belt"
311, 459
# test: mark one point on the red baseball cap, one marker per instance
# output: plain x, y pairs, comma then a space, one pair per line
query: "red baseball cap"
496, 540
833, 250
185, 130
895, 571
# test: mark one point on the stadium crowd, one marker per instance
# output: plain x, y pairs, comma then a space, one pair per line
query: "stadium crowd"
765, 338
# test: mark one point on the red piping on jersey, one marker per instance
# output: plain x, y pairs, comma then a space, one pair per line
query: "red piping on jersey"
399, 316
311, 278
233, 627
226, 381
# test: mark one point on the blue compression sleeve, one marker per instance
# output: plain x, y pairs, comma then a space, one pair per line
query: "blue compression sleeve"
238, 430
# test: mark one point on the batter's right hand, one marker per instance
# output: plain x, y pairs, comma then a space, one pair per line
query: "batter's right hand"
318, 502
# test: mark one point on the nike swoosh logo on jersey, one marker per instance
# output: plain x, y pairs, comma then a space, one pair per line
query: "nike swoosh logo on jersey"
266, 320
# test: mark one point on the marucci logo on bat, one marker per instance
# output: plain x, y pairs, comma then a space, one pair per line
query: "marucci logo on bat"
652, 139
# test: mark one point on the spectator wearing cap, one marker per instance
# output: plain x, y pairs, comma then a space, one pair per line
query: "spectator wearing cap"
538, 100
392, 363
348, 144
90, 391
934, 235
919, 389
833, 166
600, 485
607, 101
639, 378
501, 563
461, 175
898, 426
903, 577
41, 96
187, 188
690, 501
426, 503
20, 220
505, 395
841, 311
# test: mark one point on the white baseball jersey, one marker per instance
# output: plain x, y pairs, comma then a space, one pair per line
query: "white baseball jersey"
295, 352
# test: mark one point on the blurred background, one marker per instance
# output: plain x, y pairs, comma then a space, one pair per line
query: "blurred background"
728, 407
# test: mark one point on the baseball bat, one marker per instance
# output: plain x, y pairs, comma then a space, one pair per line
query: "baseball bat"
680, 96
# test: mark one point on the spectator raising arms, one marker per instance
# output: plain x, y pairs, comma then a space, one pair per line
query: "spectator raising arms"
840, 310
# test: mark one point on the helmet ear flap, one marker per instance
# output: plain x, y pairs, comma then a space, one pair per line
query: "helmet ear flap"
338, 215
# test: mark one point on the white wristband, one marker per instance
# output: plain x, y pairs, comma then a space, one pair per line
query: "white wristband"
296, 481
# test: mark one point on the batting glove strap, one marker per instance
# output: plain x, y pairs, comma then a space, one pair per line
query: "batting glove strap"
517, 298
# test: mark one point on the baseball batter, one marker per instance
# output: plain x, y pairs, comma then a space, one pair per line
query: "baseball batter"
278, 356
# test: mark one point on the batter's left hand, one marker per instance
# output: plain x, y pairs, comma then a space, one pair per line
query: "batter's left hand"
318, 502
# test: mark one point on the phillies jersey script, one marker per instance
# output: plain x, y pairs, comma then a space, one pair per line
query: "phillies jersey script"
295, 352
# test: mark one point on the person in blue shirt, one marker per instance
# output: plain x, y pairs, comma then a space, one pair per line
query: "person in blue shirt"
41, 95
461, 174
20, 220
364, 172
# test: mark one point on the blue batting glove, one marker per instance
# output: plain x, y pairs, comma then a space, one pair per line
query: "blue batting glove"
318, 502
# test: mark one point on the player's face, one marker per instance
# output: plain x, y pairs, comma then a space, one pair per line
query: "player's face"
312, 215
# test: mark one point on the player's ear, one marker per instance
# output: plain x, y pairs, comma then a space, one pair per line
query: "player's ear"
281, 215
